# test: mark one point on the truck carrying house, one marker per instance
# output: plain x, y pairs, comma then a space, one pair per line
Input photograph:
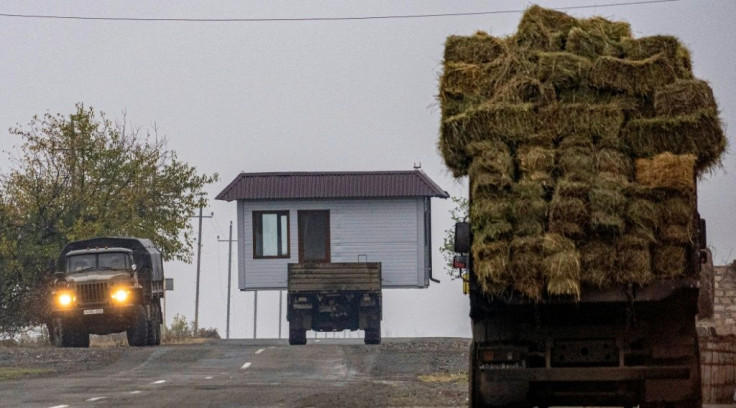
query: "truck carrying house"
107, 285
334, 241
582, 146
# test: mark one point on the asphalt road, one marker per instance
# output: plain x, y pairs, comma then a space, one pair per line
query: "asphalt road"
258, 373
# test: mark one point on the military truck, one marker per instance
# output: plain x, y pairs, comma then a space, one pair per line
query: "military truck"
107, 285
334, 297
622, 346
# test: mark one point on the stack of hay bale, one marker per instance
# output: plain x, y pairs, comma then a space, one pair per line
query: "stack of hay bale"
582, 145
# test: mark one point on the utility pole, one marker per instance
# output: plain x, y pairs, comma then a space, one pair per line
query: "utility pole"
229, 276
199, 263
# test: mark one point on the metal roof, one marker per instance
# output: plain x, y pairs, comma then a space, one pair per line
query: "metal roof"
312, 185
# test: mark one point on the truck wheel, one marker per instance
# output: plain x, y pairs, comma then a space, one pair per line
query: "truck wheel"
138, 334
82, 340
154, 329
373, 335
297, 337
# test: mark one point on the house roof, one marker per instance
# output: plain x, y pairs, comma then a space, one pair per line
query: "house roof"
312, 185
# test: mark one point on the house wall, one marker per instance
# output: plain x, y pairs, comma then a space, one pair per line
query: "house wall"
389, 231
724, 300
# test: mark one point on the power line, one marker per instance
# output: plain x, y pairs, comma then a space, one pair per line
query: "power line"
297, 19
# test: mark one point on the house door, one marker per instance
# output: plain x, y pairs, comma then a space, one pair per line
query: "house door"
314, 236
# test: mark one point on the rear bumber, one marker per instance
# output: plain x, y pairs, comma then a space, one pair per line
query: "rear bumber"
611, 348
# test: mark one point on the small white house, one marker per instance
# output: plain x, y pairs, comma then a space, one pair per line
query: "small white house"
378, 216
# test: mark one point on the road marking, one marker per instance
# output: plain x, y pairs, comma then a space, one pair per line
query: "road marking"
209, 377
136, 392
317, 341
260, 351
245, 366
60, 406
159, 382
93, 399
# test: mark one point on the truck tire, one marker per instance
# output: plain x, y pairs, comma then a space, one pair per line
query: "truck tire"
297, 337
138, 334
154, 328
373, 335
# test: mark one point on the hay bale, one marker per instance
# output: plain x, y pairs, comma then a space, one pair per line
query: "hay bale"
491, 266
568, 216
535, 159
572, 189
508, 122
492, 230
460, 79
677, 234
677, 210
608, 204
476, 49
563, 69
597, 121
590, 44
493, 168
668, 171
613, 161
683, 98
615, 31
526, 266
634, 77
598, 263
562, 266
700, 134
633, 264
543, 29
524, 89
669, 261
642, 216
529, 209
488, 210
576, 163
647, 47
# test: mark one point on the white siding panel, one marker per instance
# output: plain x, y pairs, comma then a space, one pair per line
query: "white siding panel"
386, 231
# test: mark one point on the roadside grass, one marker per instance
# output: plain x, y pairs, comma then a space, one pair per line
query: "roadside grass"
13, 373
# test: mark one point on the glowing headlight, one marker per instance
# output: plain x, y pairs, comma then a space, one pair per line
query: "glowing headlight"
120, 295
65, 299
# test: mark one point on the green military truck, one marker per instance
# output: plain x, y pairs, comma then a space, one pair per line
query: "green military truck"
334, 297
107, 285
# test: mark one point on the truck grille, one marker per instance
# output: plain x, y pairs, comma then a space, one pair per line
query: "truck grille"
92, 292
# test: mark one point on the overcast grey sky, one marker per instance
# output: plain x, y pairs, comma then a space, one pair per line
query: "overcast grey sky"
308, 95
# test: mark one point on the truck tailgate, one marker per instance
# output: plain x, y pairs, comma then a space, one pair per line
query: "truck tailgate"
345, 276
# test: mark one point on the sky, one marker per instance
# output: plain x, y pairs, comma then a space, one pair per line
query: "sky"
305, 95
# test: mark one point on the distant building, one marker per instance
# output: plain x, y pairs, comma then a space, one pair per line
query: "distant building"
378, 216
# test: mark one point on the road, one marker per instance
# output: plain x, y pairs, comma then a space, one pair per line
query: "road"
260, 373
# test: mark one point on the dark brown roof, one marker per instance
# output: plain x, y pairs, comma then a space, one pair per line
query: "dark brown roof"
302, 185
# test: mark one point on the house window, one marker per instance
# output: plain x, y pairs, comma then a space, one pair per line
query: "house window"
270, 234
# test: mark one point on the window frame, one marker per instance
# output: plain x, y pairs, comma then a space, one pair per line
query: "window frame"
258, 222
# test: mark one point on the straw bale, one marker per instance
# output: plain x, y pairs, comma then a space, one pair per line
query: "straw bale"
576, 163
572, 189
647, 47
494, 167
597, 121
584, 140
608, 204
461, 79
529, 209
613, 161
684, 97
543, 29
476, 49
591, 44
491, 265
637, 237
528, 190
492, 230
563, 69
667, 170
677, 234
598, 261
634, 77
669, 261
644, 215
555, 243
453, 153
634, 265
526, 266
535, 159
563, 273
509, 122
486, 210
613, 30
524, 89
568, 216
700, 134
677, 209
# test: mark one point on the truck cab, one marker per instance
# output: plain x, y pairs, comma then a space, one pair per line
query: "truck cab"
106, 286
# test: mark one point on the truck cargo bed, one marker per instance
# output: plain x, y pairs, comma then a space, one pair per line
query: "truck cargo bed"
344, 276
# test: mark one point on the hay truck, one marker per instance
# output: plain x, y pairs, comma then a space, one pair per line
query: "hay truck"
626, 346
334, 297
107, 285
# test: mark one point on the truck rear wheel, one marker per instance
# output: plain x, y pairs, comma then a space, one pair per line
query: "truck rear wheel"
138, 334
297, 337
154, 328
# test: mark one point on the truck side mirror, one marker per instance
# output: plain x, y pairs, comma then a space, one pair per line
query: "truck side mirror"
462, 237
133, 267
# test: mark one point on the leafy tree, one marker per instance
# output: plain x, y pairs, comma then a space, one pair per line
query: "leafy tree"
457, 214
79, 176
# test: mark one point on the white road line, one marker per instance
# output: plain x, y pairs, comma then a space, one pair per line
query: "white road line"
135, 392
60, 406
159, 382
260, 351
245, 366
93, 399
317, 341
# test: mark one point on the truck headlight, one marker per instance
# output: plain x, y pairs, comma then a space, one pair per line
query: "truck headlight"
65, 299
120, 295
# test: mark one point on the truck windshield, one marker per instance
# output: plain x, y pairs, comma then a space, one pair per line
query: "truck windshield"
87, 262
